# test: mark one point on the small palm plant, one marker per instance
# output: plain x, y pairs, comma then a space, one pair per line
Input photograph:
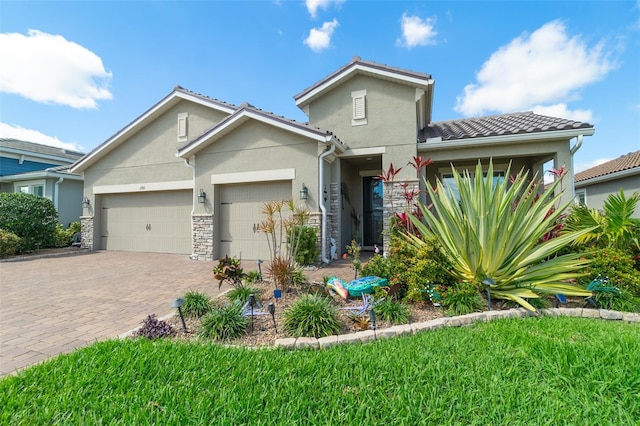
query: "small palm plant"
495, 230
615, 227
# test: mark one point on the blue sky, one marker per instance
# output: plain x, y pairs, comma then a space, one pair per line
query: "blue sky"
74, 73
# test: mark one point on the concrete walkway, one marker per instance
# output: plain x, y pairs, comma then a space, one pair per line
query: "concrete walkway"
54, 305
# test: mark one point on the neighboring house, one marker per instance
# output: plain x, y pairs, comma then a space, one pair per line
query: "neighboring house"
594, 185
42, 170
191, 174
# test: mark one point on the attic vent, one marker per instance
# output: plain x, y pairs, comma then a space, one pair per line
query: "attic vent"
359, 108
183, 128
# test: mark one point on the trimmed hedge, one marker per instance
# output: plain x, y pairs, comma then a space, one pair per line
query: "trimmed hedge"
30, 217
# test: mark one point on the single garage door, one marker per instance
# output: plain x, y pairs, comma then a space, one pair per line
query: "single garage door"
157, 222
240, 213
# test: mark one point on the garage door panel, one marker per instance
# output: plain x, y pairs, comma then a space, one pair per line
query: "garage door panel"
241, 212
153, 222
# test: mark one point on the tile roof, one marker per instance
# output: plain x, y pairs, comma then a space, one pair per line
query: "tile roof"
357, 61
39, 148
247, 107
204, 97
497, 125
624, 162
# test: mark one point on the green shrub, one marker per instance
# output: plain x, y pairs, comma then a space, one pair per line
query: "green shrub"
224, 323
392, 311
307, 253
428, 268
618, 266
617, 301
154, 328
196, 304
9, 243
252, 277
461, 299
379, 266
241, 294
311, 316
64, 236
30, 217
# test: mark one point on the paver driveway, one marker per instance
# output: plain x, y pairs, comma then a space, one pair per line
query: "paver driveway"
55, 305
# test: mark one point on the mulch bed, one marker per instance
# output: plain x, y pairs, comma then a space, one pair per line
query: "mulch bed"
264, 334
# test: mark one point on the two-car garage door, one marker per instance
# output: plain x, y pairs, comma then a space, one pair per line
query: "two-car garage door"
152, 222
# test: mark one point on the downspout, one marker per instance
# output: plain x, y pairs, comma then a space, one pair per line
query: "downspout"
572, 151
56, 193
193, 256
323, 208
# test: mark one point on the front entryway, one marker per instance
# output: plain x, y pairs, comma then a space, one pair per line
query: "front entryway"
372, 220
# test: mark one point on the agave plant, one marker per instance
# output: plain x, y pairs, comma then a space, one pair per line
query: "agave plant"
495, 229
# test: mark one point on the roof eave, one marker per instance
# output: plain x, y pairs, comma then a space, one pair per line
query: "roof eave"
610, 176
307, 96
160, 107
241, 117
504, 139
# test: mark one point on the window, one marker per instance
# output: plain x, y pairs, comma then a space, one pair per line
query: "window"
183, 129
449, 182
359, 107
581, 197
35, 188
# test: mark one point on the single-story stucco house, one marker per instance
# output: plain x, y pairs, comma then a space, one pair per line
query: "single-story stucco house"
593, 186
42, 170
191, 174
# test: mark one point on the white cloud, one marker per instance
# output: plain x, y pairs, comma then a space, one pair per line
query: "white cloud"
314, 5
561, 110
320, 38
544, 68
416, 31
12, 131
50, 69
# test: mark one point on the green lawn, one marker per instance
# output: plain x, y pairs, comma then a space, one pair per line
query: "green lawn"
550, 370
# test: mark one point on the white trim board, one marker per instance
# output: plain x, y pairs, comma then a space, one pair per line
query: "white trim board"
255, 176
143, 187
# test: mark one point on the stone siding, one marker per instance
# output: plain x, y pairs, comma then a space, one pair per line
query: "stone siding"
86, 232
202, 237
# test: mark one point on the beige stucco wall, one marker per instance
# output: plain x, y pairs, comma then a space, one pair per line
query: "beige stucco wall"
255, 147
391, 118
596, 194
148, 156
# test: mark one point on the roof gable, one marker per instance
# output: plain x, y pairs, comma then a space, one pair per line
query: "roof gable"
177, 95
624, 163
521, 123
357, 66
248, 112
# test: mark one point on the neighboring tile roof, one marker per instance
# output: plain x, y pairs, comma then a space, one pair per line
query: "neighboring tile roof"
39, 149
497, 125
355, 61
624, 162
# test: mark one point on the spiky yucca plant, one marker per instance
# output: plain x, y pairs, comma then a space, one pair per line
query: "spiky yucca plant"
495, 231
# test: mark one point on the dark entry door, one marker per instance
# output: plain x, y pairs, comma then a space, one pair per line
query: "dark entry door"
372, 222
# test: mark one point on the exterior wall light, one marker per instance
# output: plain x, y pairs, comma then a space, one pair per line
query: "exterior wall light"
202, 197
304, 192
86, 203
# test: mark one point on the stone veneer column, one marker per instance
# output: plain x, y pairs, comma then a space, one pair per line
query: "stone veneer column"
395, 202
334, 214
86, 232
202, 237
